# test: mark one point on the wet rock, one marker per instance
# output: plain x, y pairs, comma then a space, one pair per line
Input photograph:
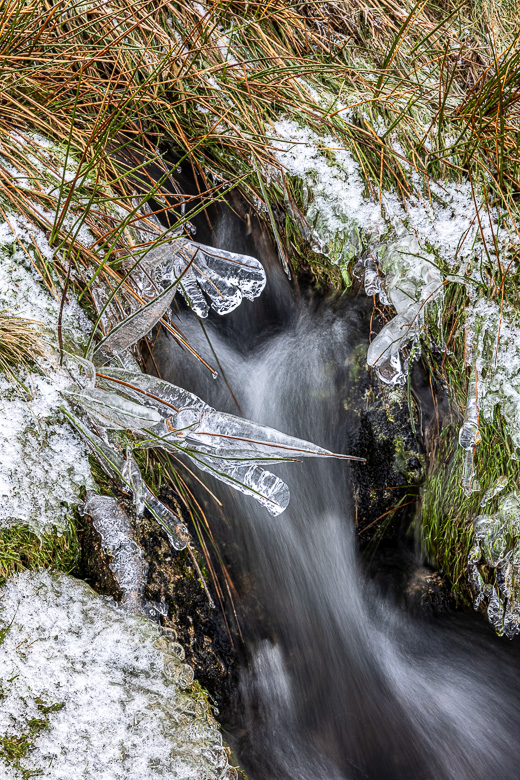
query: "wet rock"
428, 592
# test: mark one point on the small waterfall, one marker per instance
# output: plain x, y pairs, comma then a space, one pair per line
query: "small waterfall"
341, 683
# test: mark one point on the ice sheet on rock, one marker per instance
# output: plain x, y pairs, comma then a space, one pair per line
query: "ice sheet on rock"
494, 565
128, 563
225, 278
128, 712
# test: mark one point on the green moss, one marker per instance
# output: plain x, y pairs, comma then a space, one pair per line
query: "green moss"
21, 548
14, 747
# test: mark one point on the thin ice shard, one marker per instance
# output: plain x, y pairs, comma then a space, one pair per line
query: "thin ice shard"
149, 390
224, 435
134, 327
113, 463
225, 278
494, 490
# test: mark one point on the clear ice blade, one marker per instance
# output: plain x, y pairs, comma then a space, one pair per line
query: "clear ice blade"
252, 480
113, 411
150, 390
137, 324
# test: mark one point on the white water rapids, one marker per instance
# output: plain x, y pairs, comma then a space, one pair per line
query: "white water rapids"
341, 683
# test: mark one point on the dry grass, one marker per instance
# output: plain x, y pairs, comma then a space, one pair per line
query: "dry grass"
21, 343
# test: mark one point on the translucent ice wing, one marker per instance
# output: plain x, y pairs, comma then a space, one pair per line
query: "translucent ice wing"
137, 325
149, 390
268, 489
225, 277
241, 271
113, 411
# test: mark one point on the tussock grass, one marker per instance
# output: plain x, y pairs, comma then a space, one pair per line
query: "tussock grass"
20, 343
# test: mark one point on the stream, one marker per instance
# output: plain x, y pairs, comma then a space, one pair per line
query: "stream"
341, 682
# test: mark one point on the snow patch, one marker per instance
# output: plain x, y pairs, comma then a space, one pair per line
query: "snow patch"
126, 714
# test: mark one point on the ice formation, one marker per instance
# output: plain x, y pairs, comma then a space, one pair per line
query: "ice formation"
341, 219
494, 565
114, 689
469, 438
128, 564
163, 415
412, 281
43, 463
224, 277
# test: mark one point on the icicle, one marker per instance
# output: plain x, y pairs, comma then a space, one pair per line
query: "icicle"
131, 474
469, 437
176, 530
266, 488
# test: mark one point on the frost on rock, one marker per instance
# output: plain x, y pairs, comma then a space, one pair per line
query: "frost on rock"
112, 692
43, 463
494, 565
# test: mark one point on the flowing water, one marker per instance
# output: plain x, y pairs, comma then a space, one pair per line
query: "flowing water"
341, 682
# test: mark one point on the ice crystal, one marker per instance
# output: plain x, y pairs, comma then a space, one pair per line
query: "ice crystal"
496, 551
